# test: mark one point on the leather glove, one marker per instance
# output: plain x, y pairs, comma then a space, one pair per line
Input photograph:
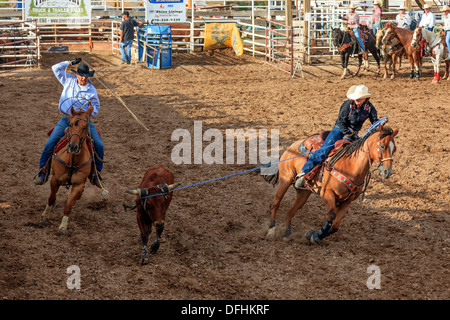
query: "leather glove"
75, 61
352, 137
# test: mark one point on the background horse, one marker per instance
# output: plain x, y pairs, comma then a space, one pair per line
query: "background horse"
347, 45
374, 149
438, 54
405, 37
71, 165
392, 53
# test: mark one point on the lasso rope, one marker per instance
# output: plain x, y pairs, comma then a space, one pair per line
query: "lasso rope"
258, 168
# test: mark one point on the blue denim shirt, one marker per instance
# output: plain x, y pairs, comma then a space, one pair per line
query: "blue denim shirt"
73, 95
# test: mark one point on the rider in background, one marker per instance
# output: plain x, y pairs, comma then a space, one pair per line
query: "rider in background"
403, 20
352, 19
352, 115
428, 19
376, 16
446, 18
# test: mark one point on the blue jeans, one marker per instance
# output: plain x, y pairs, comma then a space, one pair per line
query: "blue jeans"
335, 135
126, 56
447, 39
358, 37
376, 26
58, 133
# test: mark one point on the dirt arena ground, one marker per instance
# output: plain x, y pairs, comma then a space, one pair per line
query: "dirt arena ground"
214, 246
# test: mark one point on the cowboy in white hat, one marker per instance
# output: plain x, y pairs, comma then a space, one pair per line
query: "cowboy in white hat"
78, 93
403, 20
428, 20
376, 16
352, 19
446, 18
352, 115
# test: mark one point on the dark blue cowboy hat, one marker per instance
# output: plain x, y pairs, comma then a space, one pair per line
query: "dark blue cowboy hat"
83, 70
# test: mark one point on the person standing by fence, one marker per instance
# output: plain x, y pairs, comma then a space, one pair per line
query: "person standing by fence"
127, 36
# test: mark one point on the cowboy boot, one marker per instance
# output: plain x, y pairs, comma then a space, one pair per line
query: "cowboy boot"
97, 180
300, 181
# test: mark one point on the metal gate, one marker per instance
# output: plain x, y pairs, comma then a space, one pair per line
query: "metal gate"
19, 45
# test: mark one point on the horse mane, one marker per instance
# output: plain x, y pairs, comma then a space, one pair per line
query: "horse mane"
356, 145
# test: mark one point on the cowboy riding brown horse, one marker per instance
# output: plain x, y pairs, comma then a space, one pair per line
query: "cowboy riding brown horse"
338, 183
71, 164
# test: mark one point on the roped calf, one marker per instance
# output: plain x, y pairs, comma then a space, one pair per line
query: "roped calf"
153, 198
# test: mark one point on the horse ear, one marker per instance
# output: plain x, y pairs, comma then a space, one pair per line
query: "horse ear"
72, 111
395, 133
90, 110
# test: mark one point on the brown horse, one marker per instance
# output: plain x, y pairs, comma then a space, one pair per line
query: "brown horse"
437, 47
405, 37
71, 165
392, 53
341, 182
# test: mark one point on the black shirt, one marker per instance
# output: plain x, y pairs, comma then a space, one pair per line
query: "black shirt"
127, 27
351, 118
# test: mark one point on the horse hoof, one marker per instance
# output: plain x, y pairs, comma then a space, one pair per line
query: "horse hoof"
312, 236
64, 224
287, 234
270, 233
144, 260
45, 219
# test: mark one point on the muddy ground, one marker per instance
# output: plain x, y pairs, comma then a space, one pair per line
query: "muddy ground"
214, 246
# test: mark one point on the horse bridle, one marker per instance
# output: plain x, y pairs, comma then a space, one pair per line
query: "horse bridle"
380, 155
416, 41
82, 137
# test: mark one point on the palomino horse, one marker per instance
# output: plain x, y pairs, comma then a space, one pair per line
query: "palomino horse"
348, 46
405, 37
392, 53
438, 52
341, 183
71, 165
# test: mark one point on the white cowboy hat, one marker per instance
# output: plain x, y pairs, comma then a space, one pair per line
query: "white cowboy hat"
426, 6
358, 92
352, 6
377, 2
446, 8
402, 8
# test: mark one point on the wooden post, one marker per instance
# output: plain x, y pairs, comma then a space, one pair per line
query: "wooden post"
307, 12
385, 5
288, 17
408, 5
288, 12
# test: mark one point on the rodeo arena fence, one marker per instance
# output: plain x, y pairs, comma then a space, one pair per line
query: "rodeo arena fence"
285, 33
